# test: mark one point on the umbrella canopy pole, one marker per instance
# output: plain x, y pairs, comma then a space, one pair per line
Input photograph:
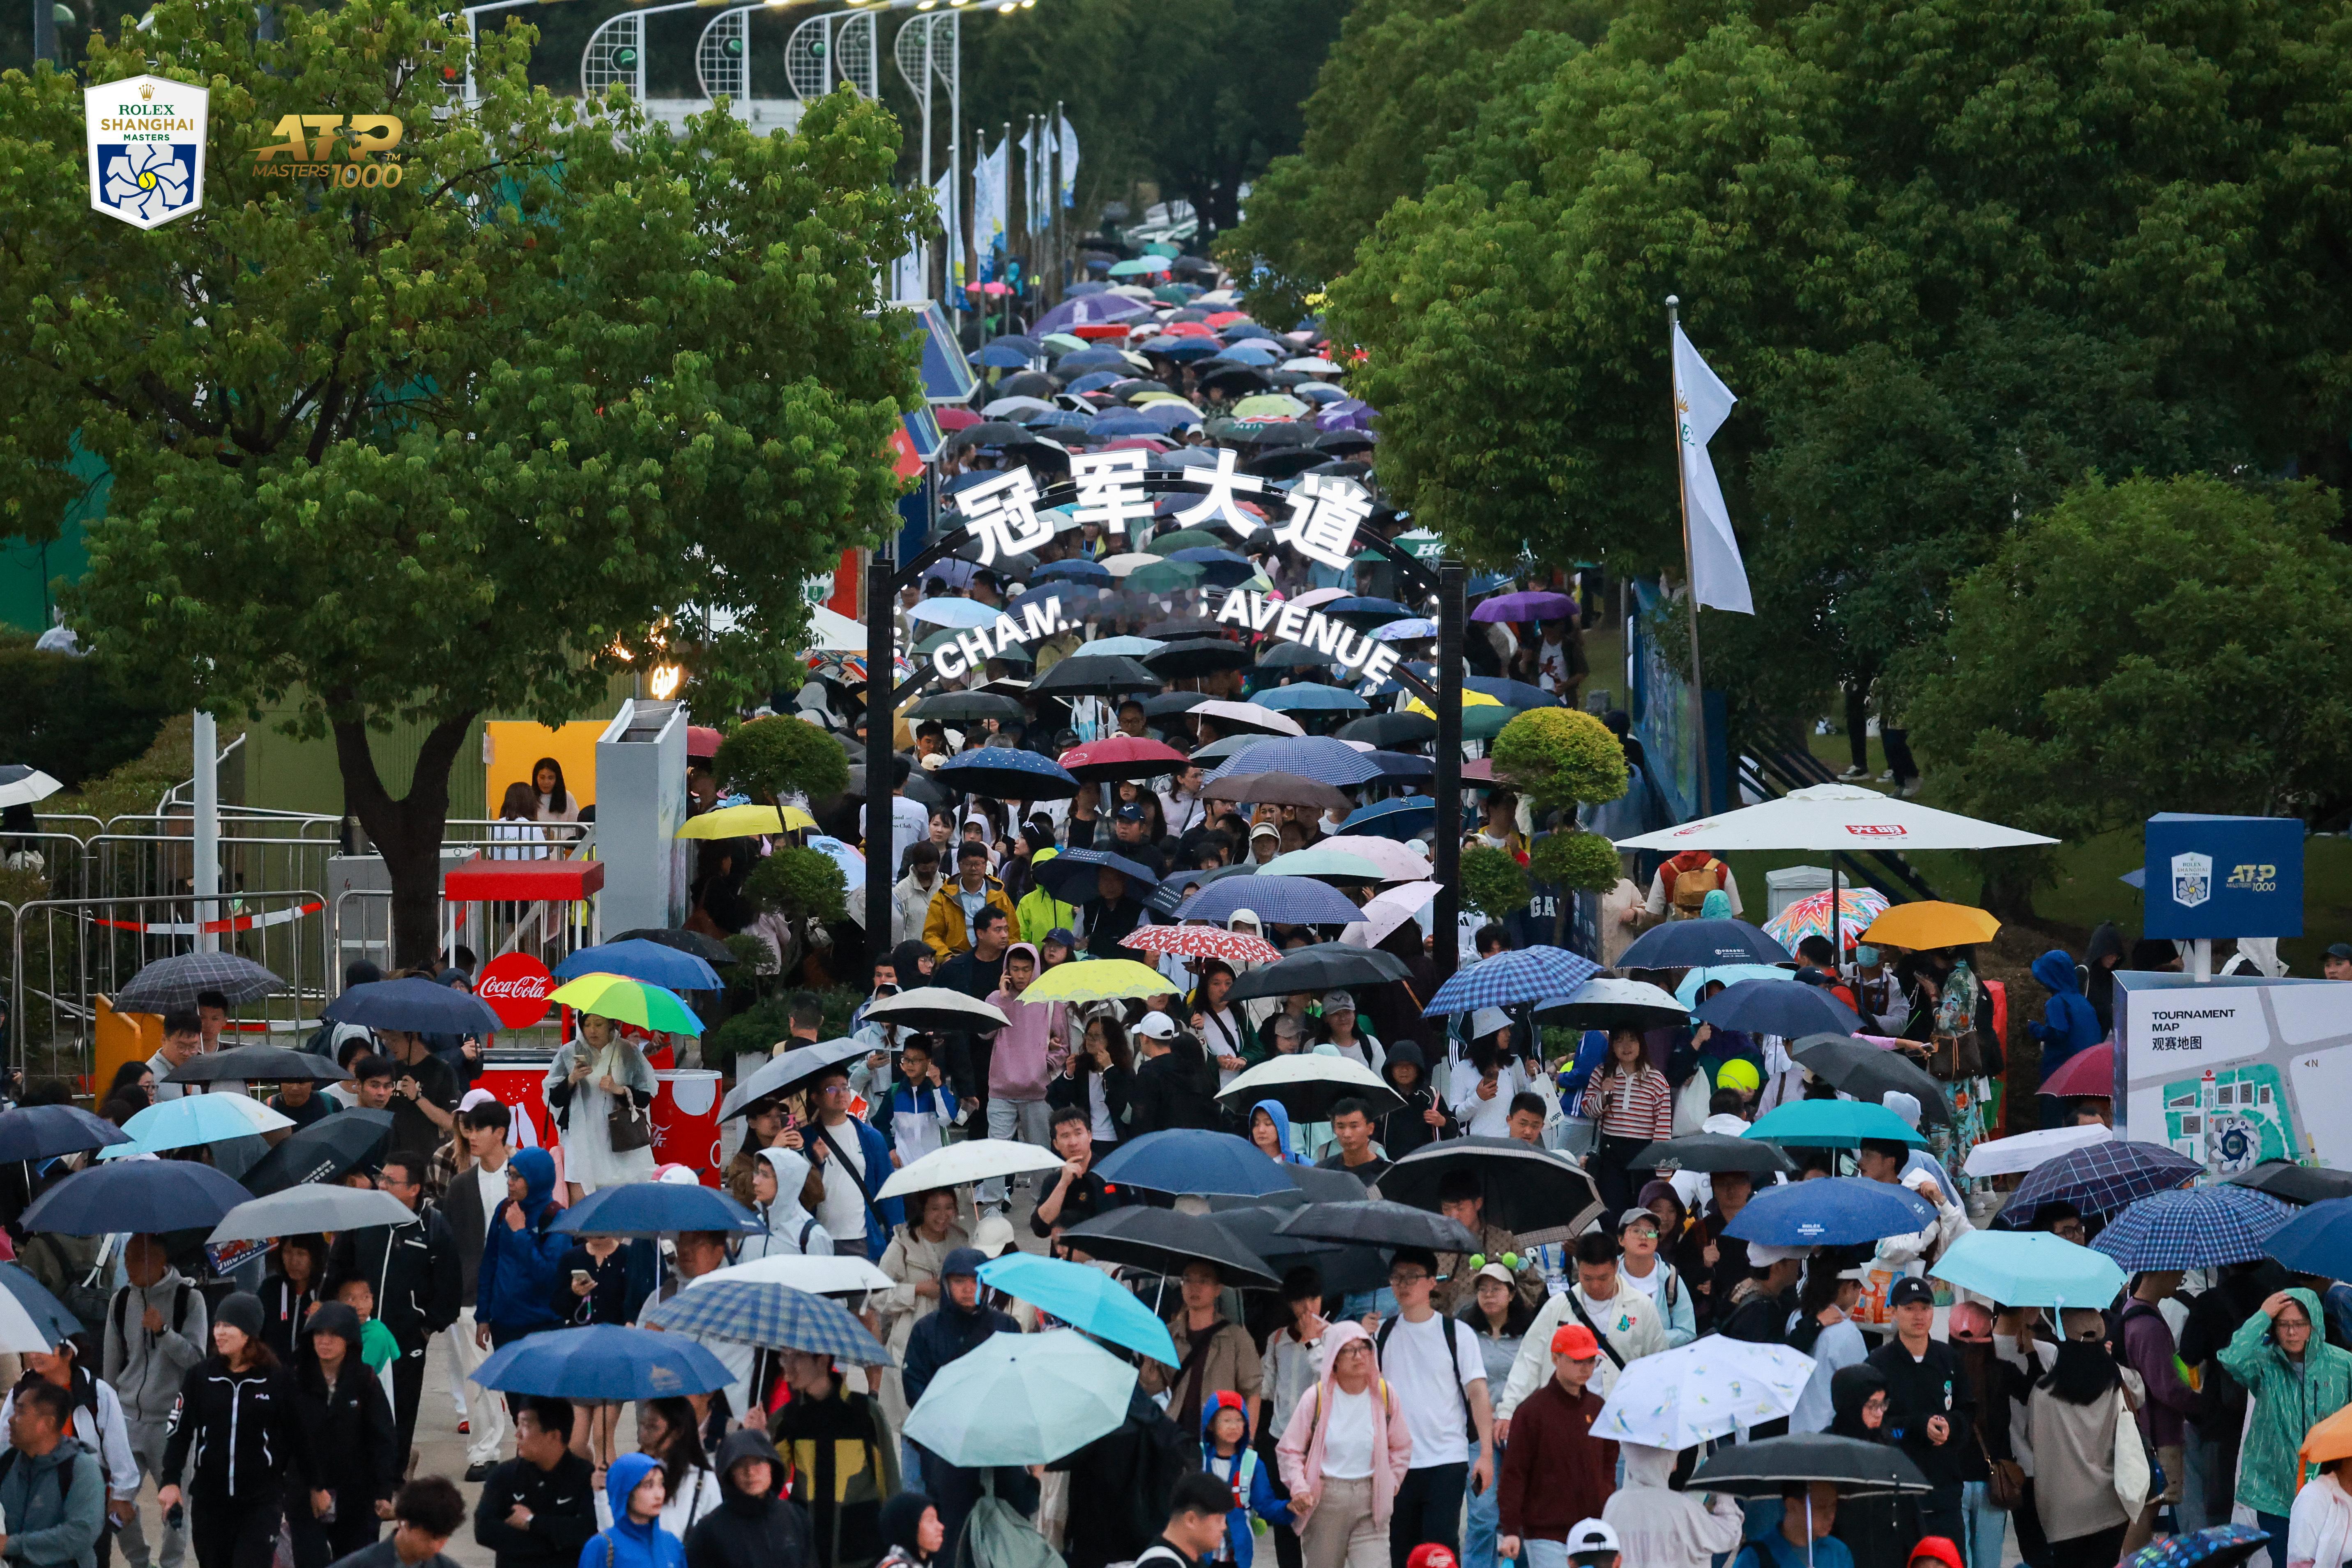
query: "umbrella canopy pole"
205, 832
1690, 584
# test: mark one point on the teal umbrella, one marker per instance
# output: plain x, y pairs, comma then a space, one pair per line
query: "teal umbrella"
1021, 1399
2030, 1269
1086, 1298
1834, 1124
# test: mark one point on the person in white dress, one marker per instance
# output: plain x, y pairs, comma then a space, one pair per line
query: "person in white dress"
595, 1067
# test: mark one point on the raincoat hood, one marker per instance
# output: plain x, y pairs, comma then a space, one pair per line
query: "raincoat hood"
1216, 1404
620, 1480
1715, 906
738, 1446
902, 1521
2055, 969
2107, 941
333, 1317
1850, 1389
792, 1169
537, 1169
1405, 1053
1337, 1338
1645, 1466
1273, 1108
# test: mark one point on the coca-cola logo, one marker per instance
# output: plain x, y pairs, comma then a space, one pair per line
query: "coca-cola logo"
516, 985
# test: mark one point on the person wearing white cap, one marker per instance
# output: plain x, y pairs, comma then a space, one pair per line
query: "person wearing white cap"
1760, 1304
1173, 1087
1593, 1544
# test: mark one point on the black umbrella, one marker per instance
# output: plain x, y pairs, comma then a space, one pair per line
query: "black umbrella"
924, 790
1183, 626
146, 1196
415, 1005
1165, 1240
1070, 875
1686, 944
1191, 656
1386, 730
1342, 1269
1238, 380
321, 1152
1300, 656
988, 432
44, 1131
965, 707
1534, 1193
1170, 703
1324, 966
1286, 463
1380, 1222
176, 981
1307, 1086
787, 1072
1028, 384
258, 1064
2282, 1179
1606, 1002
1856, 1469
1169, 894
1712, 1152
710, 950
1870, 1072
1094, 675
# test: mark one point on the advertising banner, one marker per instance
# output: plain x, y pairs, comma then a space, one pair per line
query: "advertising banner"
2236, 1070
2224, 876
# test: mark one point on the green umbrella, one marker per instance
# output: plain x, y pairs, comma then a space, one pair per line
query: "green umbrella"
1185, 539
1137, 269
1161, 247
1065, 341
1173, 293
1484, 723
1166, 576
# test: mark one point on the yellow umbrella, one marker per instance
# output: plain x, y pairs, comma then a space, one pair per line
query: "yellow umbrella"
1931, 924
1098, 979
745, 822
1469, 699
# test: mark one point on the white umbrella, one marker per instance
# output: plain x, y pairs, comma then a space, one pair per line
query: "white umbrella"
1603, 1003
830, 631
2014, 1157
1397, 862
1021, 1399
18, 1332
21, 785
1387, 910
974, 1160
1248, 715
310, 1206
1706, 1389
1835, 816
1304, 1067
824, 1274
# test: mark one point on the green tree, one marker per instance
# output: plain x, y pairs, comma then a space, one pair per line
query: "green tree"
1493, 882
2180, 645
571, 390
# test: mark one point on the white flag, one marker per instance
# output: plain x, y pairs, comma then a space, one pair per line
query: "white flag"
1041, 210
1069, 164
988, 204
1702, 404
944, 194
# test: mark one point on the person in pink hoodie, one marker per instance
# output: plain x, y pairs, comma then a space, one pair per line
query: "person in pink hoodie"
1344, 1455
1027, 1053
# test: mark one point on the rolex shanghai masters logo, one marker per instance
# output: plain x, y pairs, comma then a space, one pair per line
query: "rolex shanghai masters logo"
146, 137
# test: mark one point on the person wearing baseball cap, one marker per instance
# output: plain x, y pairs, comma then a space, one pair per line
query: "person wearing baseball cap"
1759, 1306
1593, 1544
2335, 963
1341, 1034
1557, 1475
1930, 1405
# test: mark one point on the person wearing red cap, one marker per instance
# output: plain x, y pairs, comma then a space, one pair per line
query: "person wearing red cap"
1936, 1551
1556, 1473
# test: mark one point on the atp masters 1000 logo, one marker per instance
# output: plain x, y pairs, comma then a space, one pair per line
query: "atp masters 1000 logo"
308, 144
146, 139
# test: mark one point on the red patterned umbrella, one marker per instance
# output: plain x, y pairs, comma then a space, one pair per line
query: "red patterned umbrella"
1203, 942
1121, 757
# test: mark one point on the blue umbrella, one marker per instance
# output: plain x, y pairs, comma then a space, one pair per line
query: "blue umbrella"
143, 1196
1088, 309
1190, 1159
2217, 1546
1249, 354
1522, 974
1171, 415
641, 959
1287, 901
1078, 570
962, 615
51, 1316
1007, 773
1085, 1298
1363, 611
1312, 698
1836, 1211
605, 1361
415, 1007
2030, 1268
771, 1313
2198, 1227
1402, 764
44, 1131
1834, 1124
1056, 419
1003, 356
1680, 944
194, 1119
1118, 422
1399, 819
1219, 568
1094, 380
1069, 876
652, 1208
1407, 630
1790, 1008
1317, 757
1021, 1399
1123, 648
2316, 1241
2100, 1178
1729, 973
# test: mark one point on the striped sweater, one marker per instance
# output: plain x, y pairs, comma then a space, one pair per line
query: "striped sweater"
1641, 1106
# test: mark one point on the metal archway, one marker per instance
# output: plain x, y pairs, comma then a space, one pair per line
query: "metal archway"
838, 44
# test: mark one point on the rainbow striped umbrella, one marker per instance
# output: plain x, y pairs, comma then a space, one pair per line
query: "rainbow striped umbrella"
1809, 916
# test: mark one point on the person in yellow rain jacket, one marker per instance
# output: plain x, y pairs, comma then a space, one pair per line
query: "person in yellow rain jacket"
948, 925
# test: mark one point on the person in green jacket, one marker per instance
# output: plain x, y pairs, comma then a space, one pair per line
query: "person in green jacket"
2296, 1380
1040, 912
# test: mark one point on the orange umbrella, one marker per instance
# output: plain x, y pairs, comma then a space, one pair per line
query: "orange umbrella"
1930, 924
2331, 1439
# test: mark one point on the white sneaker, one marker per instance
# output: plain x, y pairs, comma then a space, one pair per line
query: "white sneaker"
1886, 777
1851, 774
1910, 789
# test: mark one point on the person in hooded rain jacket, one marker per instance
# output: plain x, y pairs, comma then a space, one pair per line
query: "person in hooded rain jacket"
2296, 1379
956, 1329
1875, 1528
1120, 1484
1276, 1129
2068, 1025
753, 1528
1354, 1515
515, 1292
1659, 1527
793, 1231
1228, 1453
635, 1539
1423, 1119
354, 1444
911, 1525
2103, 958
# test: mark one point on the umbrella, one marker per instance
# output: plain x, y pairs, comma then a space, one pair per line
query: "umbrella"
1833, 1124
1510, 693
1249, 716
1539, 1196
176, 981
1086, 1298
653, 962
1074, 876
20, 1331
1098, 980
1379, 1222
1190, 657
1007, 774
1809, 916
1712, 1152
1317, 757
1835, 816
747, 822
1694, 981
965, 707
2089, 1073
1170, 703
194, 1119
1931, 924
1605, 1002
1167, 898
1870, 1072
22, 786
1285, 901
2100, 1179
2217, 1546
604, 1361
936, 1010
961, 614
2329, 1439
1311, 696
782, 1075
1387, 910
321, 1152
1397, 862
1321, 967
757, 1312
313, 1206
655, 1208
1254, 1225
32, 1132
822, 1274
1334, 866
1536, 604
2025, 1151
256, 1064
1190, 1159
1094, 675
1308, 1085
1412, 630
1121, 757
707, 948
1390, 730
2282, 1179
414, 1006
1856, 1467
973, 1160
2195, 1228
1193, 941
1404, 818
1165, 1240
1021, 1399
1295, 655
1836, 1211
630, 1001
143, 1196
51, 1318
1790, 1008
1522, 974
2030, 1268
1680, 944
1680, 1398
1276, 789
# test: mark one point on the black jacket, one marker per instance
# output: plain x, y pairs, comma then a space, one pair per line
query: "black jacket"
562, 1512
1935, 1384
284, 1310
1403, 1130
243, 1430
414, 1270
945, 1335
747, 1531
461, 1207
348, 1428
1076, 1092
1172, 1090
844, 1467
1120, 1484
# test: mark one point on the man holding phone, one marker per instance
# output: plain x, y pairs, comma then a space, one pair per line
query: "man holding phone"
425, 1094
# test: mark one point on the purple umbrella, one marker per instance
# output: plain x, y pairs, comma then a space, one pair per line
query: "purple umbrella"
1348, 413
1533, 606
1088, 309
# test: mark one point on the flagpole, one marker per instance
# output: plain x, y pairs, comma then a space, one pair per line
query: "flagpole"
1690, 571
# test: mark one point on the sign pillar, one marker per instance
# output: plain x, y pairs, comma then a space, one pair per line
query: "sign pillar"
1447, 785
881, 712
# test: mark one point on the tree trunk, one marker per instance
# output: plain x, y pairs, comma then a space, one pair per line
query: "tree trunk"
407, 832
2010, 875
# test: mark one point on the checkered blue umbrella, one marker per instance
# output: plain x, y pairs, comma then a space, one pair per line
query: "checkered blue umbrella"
2203, 1227
1008, 774
175, 982
1523, 974
2101, 1179
1317, 757
764, 1313
1286, 900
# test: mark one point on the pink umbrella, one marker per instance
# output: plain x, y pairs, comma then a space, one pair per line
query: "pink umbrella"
1809, 916
2089, 1073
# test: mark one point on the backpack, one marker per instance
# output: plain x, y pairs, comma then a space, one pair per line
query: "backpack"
64, 1474
1690, 888
121, 1308
1453, 1362
996, 1536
